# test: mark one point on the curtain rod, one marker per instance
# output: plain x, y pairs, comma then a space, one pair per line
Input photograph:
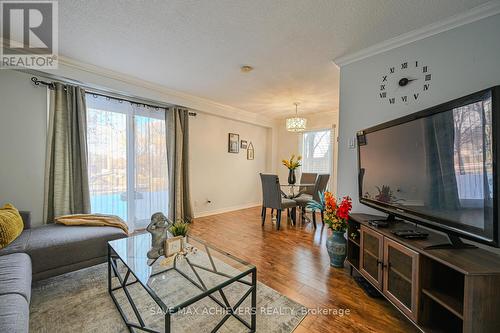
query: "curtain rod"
92, 91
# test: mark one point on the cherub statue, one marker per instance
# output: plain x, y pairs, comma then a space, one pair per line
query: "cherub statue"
158, 228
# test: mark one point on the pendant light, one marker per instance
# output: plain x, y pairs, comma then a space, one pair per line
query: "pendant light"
296, 124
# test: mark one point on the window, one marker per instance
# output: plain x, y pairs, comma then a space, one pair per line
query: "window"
317, 151
127, 159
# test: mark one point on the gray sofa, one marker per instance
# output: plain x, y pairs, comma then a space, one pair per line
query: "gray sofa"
42, 252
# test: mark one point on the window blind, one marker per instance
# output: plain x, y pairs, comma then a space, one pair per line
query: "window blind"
317, 151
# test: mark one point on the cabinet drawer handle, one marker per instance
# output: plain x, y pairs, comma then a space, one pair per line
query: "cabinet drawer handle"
380, 262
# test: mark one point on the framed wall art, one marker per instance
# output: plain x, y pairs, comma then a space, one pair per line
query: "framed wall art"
250, 152
233, 145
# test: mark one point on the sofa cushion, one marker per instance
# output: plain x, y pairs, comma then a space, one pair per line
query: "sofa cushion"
14, 314
54, 245
11, 224
15, 275
18, 245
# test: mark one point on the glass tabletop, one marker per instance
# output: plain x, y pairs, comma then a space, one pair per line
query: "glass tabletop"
292, 185
177, 282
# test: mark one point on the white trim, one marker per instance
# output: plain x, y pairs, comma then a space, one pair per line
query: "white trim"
475, 14
226, 210
171, 96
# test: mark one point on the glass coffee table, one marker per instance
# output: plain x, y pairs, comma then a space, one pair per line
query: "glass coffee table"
205, 274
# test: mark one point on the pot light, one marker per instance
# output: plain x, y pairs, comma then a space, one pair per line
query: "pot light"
246, 69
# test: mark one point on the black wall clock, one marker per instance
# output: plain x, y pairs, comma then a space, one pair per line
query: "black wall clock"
405, 83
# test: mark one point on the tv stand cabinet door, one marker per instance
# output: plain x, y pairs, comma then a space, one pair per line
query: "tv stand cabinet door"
401, 266
372, 252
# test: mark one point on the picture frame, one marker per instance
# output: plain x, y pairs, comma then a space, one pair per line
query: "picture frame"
243, 144
173, 246
250, 152
233, 144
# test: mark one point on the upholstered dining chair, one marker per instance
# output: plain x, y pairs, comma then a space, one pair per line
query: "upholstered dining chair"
303, 199
307, 178
272, 198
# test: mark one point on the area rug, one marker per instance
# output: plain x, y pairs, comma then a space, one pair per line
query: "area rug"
79, 302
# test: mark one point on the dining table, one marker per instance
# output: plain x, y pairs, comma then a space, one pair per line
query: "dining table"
293, 190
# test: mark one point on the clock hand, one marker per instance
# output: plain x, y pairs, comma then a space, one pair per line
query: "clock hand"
404, 81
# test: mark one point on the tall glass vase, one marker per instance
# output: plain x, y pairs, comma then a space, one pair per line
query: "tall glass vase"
336, 246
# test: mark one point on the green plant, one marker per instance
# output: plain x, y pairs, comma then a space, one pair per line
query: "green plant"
179, 228
318, 205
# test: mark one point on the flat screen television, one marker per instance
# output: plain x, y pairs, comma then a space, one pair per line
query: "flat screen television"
437, 167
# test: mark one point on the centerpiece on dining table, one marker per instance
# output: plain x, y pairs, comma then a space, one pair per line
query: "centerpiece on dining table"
336, 216
292, 164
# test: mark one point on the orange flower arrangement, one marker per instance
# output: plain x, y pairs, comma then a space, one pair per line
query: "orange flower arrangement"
336, 212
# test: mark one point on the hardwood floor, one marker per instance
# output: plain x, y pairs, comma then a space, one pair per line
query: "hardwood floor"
294, 262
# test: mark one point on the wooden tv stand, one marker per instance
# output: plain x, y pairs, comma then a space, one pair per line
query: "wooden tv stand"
446, 290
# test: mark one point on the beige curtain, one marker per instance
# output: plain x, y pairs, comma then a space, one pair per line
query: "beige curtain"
177, 125
66, 176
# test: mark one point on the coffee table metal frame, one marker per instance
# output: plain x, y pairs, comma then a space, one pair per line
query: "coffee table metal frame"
124, 283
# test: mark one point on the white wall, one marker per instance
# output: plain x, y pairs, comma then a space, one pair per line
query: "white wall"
462, 61
289, 142
228, 180
23, 119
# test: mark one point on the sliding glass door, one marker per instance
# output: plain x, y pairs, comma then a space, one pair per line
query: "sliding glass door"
127, 159
150, 167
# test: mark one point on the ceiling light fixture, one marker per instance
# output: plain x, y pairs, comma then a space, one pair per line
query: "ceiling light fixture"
296, 124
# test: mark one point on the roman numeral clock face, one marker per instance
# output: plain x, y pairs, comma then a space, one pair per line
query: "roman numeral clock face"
405, 83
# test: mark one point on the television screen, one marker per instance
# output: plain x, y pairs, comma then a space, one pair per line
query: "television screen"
438, 166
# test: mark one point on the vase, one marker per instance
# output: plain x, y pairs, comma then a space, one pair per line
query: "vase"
291, 177
336, 246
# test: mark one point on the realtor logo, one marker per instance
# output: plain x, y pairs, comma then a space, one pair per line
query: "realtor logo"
29, 34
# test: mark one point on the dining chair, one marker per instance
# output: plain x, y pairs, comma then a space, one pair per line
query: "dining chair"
307, 178
303, 199
273, 199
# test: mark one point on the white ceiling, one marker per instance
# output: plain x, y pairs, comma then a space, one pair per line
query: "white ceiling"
197, 47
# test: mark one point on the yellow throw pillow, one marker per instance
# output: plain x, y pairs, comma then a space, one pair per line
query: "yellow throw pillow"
11, 224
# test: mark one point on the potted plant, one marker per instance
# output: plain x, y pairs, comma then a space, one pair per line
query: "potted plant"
180, 229
291, 165
336, 216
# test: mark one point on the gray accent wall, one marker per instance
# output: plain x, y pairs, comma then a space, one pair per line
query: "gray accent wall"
23, 126
462, 61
